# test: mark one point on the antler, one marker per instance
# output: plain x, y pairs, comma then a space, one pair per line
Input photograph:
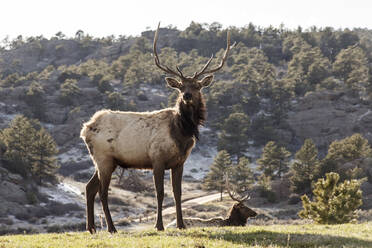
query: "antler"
157, 61
203, 70
231, 194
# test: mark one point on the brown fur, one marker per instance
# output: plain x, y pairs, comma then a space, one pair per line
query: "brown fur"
184, 128
191, 117
236, 216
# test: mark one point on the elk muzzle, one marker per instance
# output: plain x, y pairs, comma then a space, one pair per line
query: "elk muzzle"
187, 96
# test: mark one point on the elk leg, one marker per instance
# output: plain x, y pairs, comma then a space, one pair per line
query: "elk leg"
90, 193
176, 185
159, 186
104, 180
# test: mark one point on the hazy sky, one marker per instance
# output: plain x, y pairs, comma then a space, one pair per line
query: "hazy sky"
103, 18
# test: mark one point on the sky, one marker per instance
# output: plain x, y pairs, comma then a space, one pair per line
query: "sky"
131, 17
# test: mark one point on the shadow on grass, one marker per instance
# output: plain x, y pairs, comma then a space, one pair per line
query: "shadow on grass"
266, 238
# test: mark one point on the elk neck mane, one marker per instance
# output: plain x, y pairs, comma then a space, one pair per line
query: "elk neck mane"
190, 117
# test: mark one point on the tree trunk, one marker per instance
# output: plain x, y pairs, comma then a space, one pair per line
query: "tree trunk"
221, 191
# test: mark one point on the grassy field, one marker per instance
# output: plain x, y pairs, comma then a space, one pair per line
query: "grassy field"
348, 235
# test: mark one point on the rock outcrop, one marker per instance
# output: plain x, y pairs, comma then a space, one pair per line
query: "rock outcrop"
327, 116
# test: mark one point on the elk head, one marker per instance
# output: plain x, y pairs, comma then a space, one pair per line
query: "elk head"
190, 86
240, 206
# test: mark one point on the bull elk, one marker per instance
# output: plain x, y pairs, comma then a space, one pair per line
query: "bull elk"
158, 140
237, 215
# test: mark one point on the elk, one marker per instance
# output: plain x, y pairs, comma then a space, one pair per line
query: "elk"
236, 216
158, 140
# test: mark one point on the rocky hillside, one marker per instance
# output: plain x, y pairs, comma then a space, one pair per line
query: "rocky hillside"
329, 115
78, 76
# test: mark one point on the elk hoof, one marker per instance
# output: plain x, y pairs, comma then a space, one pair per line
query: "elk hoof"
91, 229
159, 227
112, 230
182, 226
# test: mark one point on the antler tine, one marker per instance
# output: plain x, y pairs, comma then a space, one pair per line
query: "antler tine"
229, 191
197, 74
247, 197
157, 61
228, 47
179, 70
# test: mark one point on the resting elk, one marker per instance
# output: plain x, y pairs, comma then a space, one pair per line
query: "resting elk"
158, 140
237, 215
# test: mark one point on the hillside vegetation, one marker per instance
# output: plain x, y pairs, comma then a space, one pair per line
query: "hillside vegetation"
288, 107
348, 235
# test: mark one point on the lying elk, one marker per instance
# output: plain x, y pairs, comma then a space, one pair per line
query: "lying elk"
236, 216
158, 140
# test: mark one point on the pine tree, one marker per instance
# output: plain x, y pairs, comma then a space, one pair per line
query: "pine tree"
307, 67
234, 137
44, 162
215, 179
304, 168
283, 158
280, 101
242, 175
35, 99
350, 148
344, 151
334, 203
18, 139
251, 67
29, 149
351, 66
274, 160
69, 90
268, 161
115, 101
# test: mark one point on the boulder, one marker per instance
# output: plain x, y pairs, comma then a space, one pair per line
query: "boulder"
13, 192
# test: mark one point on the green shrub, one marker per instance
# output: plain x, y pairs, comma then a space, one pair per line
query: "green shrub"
115, 101
69, 91
334, 203
104, 84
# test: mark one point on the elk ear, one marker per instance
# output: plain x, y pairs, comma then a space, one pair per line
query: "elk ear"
173, 83
206, 81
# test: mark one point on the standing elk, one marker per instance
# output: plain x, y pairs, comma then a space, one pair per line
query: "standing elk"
158, 140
